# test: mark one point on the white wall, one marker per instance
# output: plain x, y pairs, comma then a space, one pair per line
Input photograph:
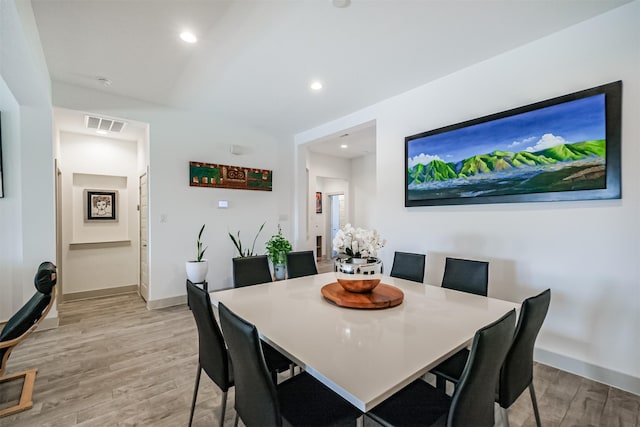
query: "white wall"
98, 163
27, 211
587, 252
363, 190
176, 139
10, 205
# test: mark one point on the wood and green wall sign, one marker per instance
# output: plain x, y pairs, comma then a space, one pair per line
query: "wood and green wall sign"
224, 176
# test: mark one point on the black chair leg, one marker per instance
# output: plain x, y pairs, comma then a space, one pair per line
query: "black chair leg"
535, 404
195, 394
223, 408
441, 384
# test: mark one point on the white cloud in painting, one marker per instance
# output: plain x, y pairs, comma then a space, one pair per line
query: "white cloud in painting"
523, 141
422, 159
548, 140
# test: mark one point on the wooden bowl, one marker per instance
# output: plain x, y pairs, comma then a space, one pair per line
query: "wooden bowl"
358, 285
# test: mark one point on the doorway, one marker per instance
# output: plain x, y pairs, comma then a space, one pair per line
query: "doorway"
337, 218
333, 165
144, 237
100, 258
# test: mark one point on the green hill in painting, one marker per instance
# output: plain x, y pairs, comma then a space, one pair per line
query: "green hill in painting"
497, 161
580, 150
436, 170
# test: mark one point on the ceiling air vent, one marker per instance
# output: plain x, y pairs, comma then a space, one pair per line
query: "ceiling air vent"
104, 124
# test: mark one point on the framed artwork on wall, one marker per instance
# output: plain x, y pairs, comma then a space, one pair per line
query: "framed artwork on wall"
318, 202
225, 176
101, 205
565, 148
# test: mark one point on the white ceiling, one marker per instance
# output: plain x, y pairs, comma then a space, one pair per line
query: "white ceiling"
255, 59
74, 121
350, 143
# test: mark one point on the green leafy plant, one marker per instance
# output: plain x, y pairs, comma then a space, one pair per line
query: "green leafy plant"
242, 252
200, 252
278, 247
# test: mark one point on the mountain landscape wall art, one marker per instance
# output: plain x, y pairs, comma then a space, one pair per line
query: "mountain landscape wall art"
566, 148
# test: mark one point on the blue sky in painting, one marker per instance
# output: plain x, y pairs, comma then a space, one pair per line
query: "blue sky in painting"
569, 122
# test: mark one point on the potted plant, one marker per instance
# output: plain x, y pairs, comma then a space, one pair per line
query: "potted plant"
197, 269
277, 249
245, 252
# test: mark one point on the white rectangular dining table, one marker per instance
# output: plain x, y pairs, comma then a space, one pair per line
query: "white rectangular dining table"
363, 355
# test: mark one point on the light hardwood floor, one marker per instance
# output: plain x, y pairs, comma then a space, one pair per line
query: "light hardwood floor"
325, 264
113, 363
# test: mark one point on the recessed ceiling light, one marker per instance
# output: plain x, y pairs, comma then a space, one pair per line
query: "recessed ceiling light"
316, 86
188, 37
101, 132
104, 81
344, 146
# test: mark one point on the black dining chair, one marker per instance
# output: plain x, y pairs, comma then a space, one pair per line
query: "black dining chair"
254, 270
466, 275
300, 400
408, 266
251, 270
472, 402
213, 357
19, 327
516, 373
301, 263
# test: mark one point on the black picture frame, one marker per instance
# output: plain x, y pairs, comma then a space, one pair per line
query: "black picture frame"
468, 163
318, 202
101, 205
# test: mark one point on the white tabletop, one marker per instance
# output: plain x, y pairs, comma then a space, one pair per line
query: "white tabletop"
363, 355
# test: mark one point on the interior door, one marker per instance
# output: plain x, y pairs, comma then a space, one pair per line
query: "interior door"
144, 238
58, 195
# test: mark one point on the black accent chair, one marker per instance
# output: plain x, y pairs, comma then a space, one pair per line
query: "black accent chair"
21, 325
300, 400
466, 275
254, 270
251, 270
301, 263
408, 266
213, 357
516, 373
472, 402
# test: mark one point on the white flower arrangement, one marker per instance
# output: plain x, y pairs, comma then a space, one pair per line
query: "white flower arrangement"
357, 242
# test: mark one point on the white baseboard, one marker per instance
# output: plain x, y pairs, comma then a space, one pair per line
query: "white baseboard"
593, 372
166, 302
99, 293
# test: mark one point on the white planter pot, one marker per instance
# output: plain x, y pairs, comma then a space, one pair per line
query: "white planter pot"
197, 271
280, 271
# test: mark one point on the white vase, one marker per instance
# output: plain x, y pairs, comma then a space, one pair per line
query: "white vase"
197, 270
